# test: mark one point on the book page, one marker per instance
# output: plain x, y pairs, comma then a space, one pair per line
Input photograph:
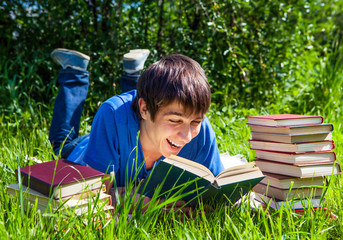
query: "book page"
191, 166
243, 176
231, 161
236, 172
244, 168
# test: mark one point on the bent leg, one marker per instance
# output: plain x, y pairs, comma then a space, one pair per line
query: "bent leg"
68, 108
128, 82
133, 63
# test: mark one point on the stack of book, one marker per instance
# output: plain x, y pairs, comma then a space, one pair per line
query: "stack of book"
295, 152
62, 185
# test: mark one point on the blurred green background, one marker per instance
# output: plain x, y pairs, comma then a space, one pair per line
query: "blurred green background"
255, 53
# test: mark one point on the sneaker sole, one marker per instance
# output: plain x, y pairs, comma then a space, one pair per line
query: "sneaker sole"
132, 56
70, 52
144, 51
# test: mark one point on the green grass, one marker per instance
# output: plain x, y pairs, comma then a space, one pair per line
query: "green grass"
223, 223
313, 89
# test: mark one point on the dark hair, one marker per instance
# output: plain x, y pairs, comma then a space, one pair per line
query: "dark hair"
174, 77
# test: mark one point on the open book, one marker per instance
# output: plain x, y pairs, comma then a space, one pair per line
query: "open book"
195, 180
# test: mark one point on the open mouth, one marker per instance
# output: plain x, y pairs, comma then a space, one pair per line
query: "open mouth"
174, 145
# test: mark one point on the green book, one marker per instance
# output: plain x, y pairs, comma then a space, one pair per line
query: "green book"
195, 181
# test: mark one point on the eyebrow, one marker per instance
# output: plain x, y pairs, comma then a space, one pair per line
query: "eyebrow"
180, 114
173, 113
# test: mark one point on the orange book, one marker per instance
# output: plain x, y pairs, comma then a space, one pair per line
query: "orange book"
293, 147
296, 157
311, 169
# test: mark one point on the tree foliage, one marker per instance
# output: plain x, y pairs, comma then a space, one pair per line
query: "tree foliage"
249, 49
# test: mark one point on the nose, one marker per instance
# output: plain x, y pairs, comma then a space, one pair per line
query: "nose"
186, 133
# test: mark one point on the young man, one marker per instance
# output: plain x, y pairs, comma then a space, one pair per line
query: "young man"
165, 116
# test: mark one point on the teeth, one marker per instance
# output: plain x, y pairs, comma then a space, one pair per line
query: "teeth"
174, 144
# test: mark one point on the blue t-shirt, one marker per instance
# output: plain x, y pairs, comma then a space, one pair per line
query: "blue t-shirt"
114, 143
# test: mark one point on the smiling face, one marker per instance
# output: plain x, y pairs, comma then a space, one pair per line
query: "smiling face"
172, 128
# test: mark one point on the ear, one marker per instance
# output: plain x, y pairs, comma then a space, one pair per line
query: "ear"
142, 108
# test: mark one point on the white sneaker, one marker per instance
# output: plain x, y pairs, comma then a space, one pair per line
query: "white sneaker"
135, 59
70, 58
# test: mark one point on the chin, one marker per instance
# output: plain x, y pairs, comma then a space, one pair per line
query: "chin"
166, 155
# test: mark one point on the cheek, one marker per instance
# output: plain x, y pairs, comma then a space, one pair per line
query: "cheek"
167, 130
195, 131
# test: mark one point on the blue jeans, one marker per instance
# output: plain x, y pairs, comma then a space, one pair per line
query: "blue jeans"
128, 82
64, 129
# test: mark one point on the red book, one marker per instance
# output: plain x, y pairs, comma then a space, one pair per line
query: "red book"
287, 138
285, 120
60, 178
321, 210
294, 130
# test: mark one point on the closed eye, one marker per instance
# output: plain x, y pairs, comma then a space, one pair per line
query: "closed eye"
195, 123
174, 121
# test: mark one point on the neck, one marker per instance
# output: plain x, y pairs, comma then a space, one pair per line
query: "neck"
151, 155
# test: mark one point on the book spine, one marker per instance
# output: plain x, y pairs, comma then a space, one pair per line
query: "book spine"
85, 194
312, 163
295, 153
36, 185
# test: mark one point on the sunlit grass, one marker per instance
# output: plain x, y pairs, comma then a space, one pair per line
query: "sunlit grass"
239, 222
24, 134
